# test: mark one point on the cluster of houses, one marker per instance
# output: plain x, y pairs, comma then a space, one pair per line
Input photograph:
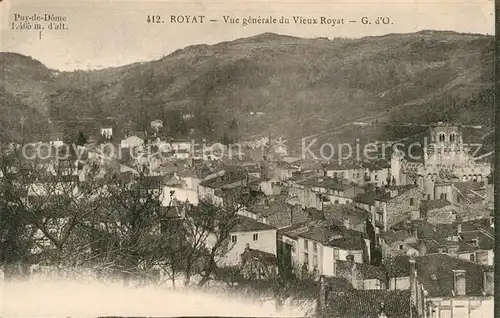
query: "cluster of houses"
396, 240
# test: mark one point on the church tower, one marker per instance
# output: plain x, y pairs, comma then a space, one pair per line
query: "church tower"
446, 146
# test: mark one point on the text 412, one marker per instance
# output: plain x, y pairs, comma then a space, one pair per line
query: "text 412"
154, 19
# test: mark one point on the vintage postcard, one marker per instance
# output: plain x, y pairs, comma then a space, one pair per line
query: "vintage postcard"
247, 158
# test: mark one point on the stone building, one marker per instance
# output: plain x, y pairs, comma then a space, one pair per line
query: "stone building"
445, 157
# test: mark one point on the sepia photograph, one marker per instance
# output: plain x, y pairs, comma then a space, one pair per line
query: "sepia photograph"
247, 158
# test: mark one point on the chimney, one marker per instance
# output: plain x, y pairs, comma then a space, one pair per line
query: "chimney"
422, 248
488, 282
459, 282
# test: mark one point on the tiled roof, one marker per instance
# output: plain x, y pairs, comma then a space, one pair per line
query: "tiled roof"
326, 232
467, 190
376, 165
326, 183
258, 255
435, 273
278, 211
473, 225
246, 224
219, 182
393, 236
426, 230
368, 304
295, 229
368, 271
337, 284
339, 212
372, 196
485, 240
351, 240
344, 166
300, 176
433, 204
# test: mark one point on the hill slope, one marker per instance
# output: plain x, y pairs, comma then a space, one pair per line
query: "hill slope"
303, 87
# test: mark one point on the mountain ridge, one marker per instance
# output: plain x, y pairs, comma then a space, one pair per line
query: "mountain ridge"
302, 86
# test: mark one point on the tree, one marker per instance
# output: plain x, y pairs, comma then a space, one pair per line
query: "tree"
132, 215
208, 227
15, 242
81, 139
175, 125
169, 248
48, 205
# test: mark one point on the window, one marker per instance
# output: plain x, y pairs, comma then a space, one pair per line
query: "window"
336, 254
452, 137
306, 258
234, 238
376, 177
306, 244
412, 202
400, 247
429, 197
255, 236
472, 257
315, 261
315, 247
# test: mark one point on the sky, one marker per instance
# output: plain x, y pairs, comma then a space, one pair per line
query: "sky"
116, 33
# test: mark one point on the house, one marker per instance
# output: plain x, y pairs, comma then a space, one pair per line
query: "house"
279, 212
389, 206
282, 171
477, 241
316, 245
471, 240
316, 192
352, 172
212, 188
361, 276
248, 233
181, 187
347, 215
107, 132
469, 198
132, 142
257, 264
446, 286
181, 145
377, 173
438, 211
397, 242
56, 139
338, 299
